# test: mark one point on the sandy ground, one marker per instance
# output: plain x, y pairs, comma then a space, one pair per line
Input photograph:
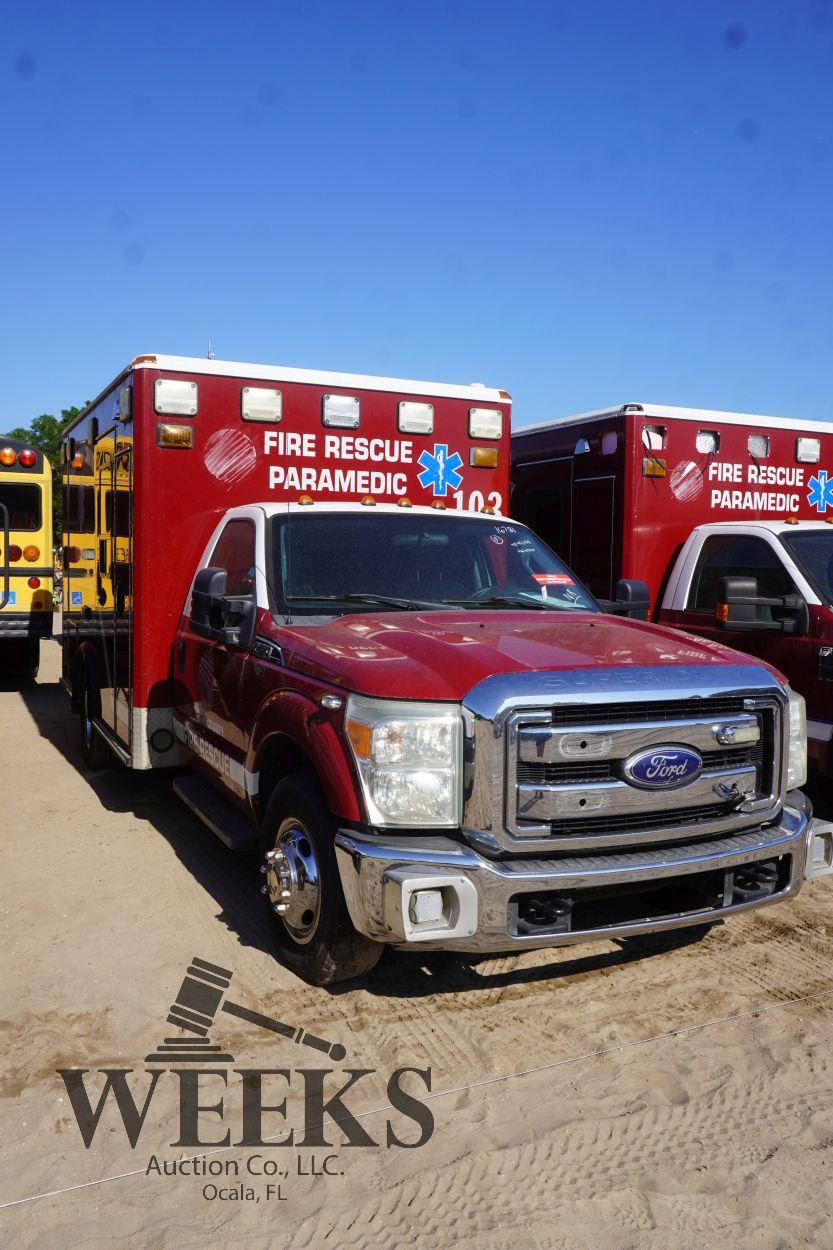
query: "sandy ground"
666, 1092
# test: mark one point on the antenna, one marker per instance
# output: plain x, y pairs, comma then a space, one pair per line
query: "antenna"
209, 353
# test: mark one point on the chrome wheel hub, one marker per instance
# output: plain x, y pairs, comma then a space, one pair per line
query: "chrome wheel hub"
292, 881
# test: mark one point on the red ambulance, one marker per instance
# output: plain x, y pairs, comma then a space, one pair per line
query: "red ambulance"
726, 517
301, 587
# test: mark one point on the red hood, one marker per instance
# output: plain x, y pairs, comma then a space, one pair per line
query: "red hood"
441, 655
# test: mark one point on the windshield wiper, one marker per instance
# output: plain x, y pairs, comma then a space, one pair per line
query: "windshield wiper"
512, 601
387, 601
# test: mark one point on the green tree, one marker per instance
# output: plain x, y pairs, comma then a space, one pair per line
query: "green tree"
44, 433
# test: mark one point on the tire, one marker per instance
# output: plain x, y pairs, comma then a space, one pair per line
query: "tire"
314, 937
94, 749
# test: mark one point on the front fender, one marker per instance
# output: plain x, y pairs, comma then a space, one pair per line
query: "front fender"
318, 734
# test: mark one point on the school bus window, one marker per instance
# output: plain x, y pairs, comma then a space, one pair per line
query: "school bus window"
80, 505
122, 529
24, 505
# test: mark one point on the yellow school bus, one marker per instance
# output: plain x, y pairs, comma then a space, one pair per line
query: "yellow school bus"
26, 572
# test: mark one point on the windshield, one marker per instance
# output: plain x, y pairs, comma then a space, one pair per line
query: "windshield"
812, 551
335, 562
23, 503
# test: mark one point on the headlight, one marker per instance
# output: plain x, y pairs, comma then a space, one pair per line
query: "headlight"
797, 757
409, 760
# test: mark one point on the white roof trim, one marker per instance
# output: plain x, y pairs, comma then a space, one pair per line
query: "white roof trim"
313, 377
279, 509
664, 412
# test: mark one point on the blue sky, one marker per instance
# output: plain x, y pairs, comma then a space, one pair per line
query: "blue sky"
583, 202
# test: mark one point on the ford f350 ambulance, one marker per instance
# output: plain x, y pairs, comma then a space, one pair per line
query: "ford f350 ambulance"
308, 594
683, 499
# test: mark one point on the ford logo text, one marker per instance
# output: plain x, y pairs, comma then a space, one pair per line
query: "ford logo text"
662, 768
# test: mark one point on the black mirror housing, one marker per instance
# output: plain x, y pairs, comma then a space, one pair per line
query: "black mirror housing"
633, 600
211, 608
737, 609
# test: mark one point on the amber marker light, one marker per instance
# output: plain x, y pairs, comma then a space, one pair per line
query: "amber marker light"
368, 501
438, 503
404, 502
8, 456
360, 736
721, 612
791, 520
180, 436
483, 457
305, 500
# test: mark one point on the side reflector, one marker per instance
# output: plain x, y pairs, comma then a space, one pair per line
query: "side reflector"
31, 553
721, 612
483, 457
174, 435
173, 397
652, 466
8, 456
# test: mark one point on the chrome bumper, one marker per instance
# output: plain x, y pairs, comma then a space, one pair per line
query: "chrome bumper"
380, 873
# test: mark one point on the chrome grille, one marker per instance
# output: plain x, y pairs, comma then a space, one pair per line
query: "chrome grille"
565, 778
607, 770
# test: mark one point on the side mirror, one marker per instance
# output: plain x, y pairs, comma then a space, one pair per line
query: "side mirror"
737, 609
227, 619
632, 600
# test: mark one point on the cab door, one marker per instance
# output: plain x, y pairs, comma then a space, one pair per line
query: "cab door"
209, 675
739, 555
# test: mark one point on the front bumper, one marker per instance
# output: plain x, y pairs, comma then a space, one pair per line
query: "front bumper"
25, 624
487, 904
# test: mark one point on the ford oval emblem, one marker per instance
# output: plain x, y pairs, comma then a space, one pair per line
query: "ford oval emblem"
662, 768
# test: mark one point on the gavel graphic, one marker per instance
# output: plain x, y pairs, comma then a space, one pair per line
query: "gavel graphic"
200, 996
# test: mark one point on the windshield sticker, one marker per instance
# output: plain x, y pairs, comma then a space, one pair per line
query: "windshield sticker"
553, 579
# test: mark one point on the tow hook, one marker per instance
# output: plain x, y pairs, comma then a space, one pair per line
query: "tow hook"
732, 793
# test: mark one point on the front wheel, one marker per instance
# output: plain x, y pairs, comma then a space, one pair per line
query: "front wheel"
302, 889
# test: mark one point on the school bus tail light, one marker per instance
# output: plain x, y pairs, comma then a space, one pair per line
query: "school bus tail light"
74, 555
483, 457
15, 553
181, 436
8, 456
33, 583
31, 553
27, 458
